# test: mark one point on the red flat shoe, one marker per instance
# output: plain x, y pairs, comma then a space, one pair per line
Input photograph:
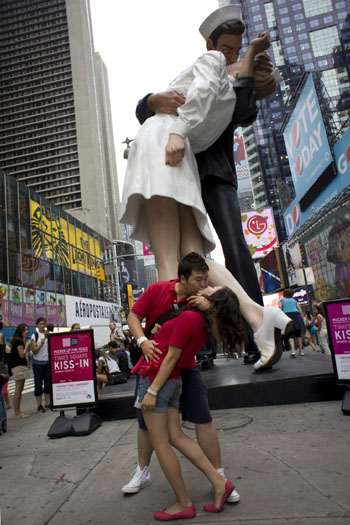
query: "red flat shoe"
188, 513
210, 507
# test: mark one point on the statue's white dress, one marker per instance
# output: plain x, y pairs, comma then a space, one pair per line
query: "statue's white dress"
210, 102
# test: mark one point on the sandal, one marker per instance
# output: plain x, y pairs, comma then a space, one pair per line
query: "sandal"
292, 354
21, 415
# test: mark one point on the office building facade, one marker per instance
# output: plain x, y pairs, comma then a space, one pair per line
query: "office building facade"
55, 128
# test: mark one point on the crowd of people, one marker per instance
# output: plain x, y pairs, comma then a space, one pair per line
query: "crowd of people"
306, 329
23, 355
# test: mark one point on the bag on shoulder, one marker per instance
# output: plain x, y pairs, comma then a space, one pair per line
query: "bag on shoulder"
4, 376
135, 352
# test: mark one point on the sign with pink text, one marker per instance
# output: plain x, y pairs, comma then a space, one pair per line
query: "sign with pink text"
338, 325
72, 369
259, 232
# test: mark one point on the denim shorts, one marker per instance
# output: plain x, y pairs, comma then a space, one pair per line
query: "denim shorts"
193, 402
168, 395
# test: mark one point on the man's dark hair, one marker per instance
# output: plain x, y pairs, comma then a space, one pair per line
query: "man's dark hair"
40, 319
191, 262
232, 27
113, 344
50, 327
288, 292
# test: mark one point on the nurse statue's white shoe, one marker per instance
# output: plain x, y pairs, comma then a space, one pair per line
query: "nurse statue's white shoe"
268, 337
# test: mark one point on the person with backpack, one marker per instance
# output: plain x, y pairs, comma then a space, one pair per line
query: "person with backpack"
41, 365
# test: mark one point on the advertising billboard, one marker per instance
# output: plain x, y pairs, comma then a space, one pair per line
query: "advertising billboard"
259, 232
306, 141
272, 271
241, 163
294, 217
72, 369
338, 327
342, 159
25, 305
63, 243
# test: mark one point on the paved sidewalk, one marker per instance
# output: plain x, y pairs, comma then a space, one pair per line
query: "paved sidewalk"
290, 463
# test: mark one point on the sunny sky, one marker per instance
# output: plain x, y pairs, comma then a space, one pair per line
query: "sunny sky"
145, 44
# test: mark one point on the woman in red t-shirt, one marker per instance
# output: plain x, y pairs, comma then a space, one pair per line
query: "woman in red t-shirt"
179, 340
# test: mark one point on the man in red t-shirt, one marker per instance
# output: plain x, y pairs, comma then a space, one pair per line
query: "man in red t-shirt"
158, 299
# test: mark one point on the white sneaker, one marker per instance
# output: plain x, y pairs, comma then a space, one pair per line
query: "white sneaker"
233, 497
140, 480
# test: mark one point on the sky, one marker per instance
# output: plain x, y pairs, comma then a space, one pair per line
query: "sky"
145, 44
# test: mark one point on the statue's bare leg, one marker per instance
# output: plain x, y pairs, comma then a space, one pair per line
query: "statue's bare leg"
164, 230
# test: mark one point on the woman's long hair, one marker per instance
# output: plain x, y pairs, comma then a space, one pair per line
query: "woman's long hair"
21, 328
225, 307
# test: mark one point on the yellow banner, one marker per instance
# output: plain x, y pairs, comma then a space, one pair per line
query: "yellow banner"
61, 242
130, 296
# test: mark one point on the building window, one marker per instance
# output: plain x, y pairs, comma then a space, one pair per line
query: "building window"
304, 46
325, 41
322, 63
257, 18
302, 36
278, 53
339, 5
283, 10
328, 19
259, 27
307, 56
336, 81
289, 40
293, 60
291, 49
309, 66
342, 15
299, 27
316, 7
296, 7
285, 20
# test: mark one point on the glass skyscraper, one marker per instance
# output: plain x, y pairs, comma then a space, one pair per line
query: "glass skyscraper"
306, 35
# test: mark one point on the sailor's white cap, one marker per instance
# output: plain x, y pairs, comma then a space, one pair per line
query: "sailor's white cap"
218, 17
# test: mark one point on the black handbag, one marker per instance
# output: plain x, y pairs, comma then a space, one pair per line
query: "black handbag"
116, 378
4, 376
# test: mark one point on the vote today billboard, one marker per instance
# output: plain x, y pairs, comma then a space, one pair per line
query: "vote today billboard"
306, 141
72, 369
337, 315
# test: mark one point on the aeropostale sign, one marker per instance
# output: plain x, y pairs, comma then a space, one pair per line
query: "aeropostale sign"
89, 312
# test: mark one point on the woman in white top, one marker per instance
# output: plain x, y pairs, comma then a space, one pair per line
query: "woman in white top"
162, 195
107, 365
41, 365
322, 332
